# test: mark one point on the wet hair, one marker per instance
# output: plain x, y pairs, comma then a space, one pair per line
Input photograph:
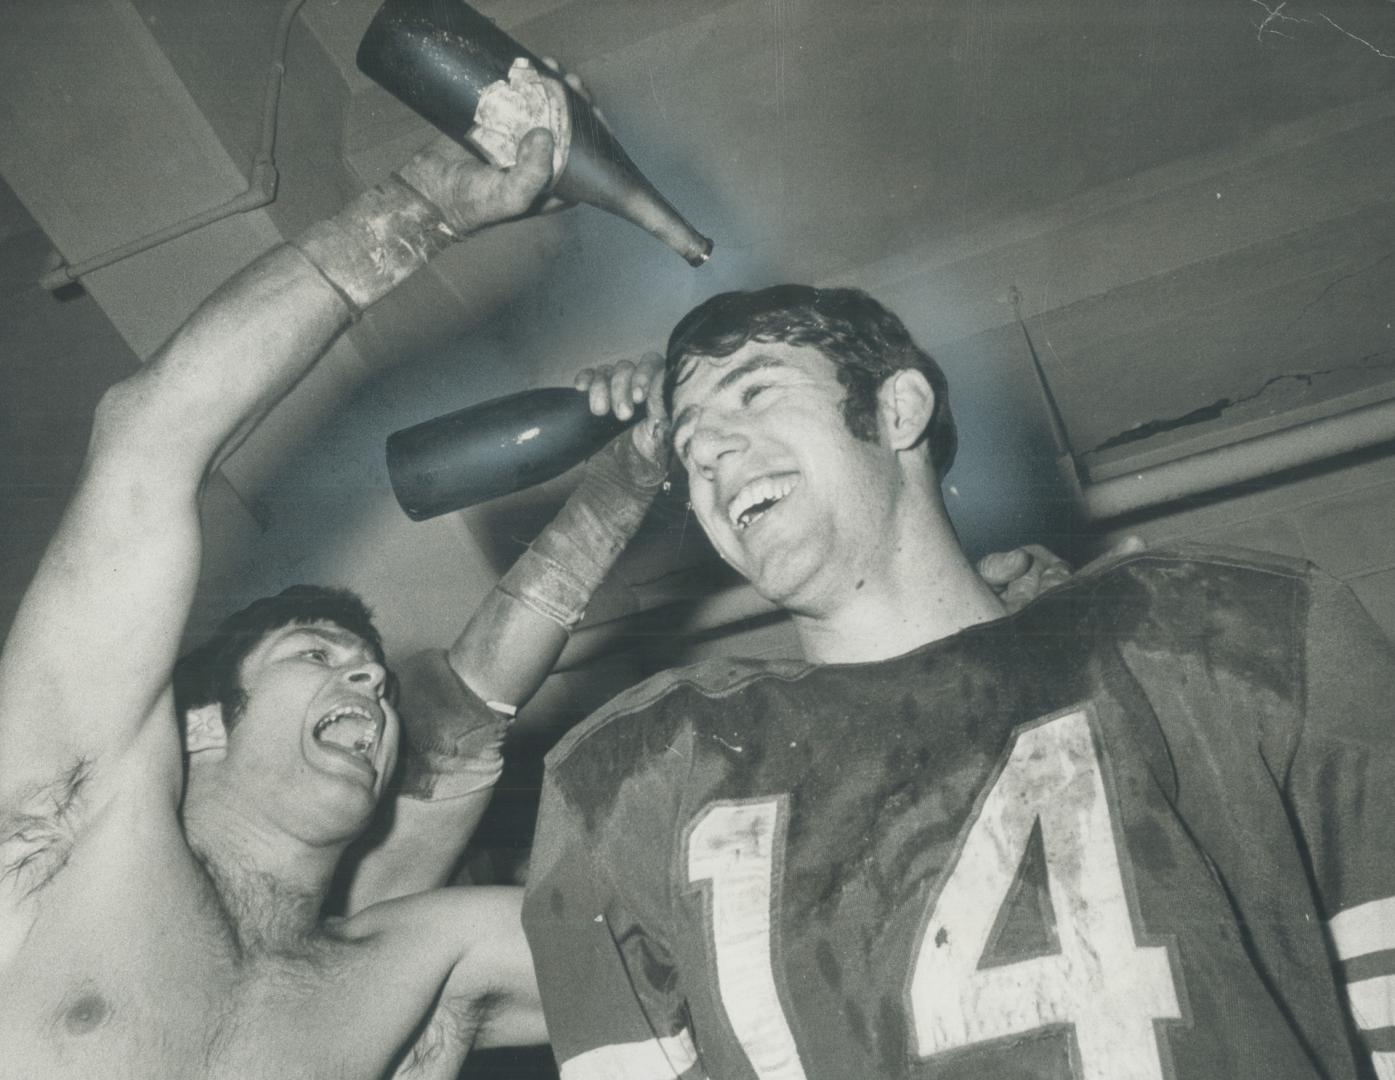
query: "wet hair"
865, 342
212, 672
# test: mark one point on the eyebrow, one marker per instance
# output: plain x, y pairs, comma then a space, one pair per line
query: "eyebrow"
746, 367
334, 635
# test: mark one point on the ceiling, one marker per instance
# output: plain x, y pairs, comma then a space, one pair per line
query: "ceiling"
1184, 205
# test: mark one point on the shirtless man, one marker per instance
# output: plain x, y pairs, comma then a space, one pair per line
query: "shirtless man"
136, 940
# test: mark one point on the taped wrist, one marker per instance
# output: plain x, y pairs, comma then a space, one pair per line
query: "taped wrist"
452, 741
558, 574
376, 242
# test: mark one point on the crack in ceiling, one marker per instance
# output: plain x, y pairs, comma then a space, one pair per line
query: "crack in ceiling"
1218, 408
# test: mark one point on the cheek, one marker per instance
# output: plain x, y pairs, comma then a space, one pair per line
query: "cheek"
701, 503
392, 734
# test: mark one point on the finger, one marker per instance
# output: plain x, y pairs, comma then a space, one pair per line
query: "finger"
598, 394
531, 173
1022, 590
621, 378
1042, 554
1002, 567
1129, 545
569, 77
1048, 562
584, 378
639, 385
648, 370
652, 364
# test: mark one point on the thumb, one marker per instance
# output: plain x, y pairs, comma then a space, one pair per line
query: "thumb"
650, 438
657, 423
532, 172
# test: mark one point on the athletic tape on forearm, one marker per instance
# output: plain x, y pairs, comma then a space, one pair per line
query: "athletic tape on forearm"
376, 242
452, 741
558, 574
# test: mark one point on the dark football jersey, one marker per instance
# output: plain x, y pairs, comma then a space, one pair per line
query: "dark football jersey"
1144, 828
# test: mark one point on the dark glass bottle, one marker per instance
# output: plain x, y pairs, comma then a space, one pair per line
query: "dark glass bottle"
438, 56
494, 448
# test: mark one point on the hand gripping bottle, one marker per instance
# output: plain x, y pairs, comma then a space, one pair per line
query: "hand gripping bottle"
458, 70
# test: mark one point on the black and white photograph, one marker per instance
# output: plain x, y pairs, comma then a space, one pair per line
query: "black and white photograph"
697, 539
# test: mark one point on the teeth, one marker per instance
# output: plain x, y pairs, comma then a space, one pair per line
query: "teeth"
348, 727
757, 497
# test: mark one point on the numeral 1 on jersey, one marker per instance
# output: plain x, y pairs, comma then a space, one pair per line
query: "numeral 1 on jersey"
1099, 981
733, 845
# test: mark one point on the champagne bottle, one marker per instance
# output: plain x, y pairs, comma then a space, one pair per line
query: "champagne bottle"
440, 56
494, 448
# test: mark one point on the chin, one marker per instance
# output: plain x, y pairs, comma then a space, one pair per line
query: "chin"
799, 588
343, 815
784, 589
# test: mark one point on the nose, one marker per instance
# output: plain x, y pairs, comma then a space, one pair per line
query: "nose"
710, 442
369, 675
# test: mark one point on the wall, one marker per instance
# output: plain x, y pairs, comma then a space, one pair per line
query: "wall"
56, 358
1339, 514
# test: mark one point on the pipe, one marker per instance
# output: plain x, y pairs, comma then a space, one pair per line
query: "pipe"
1248, 459
261, 185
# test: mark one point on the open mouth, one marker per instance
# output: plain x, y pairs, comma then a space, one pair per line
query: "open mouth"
758, 498
350, 729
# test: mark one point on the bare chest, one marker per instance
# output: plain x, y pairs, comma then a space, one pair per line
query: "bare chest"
156, 985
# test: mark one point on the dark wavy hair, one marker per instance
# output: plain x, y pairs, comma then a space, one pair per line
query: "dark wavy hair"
212, 671
864, 340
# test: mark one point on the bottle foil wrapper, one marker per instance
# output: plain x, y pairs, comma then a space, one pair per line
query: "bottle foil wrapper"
509, 109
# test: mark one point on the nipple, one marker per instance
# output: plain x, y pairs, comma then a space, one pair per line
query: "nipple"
85, 1014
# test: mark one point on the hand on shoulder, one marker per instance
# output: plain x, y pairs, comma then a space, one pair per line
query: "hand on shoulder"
1021, 575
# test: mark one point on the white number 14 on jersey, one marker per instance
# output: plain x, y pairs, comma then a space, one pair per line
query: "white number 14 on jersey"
1100, 981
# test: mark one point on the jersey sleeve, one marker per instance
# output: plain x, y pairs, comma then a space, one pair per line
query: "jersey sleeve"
1341, 788
609, 988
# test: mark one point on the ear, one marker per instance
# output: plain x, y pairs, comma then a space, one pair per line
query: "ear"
204, 730
906, 401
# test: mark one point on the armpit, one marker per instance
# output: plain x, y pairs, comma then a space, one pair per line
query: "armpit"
37, 831
448, 1036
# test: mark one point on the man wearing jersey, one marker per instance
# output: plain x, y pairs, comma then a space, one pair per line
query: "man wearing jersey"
1139, 830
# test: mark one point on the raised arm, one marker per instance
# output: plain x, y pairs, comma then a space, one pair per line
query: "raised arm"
456, 703
90, 653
